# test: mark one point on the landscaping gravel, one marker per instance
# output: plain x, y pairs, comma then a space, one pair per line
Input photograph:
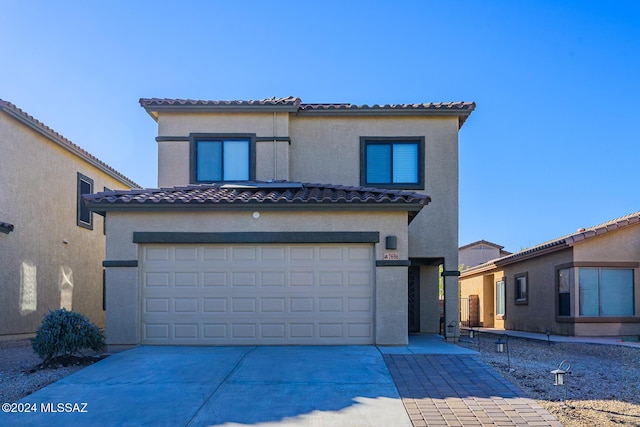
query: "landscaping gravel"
21, 373
603, 386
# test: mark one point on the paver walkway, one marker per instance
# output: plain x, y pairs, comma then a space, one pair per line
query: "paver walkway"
461, 390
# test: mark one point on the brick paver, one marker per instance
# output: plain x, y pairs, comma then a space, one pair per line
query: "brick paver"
461, 390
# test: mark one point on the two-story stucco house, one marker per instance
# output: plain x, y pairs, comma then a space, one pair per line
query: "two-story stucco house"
280, 222
51, 245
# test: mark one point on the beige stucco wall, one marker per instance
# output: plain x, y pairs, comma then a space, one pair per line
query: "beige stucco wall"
38, 187
123, 293
539, 314
272, 157
617, 246
476, 255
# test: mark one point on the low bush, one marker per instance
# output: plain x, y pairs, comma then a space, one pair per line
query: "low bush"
66, 333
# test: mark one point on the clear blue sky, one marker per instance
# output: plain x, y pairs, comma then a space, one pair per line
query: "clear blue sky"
552, 145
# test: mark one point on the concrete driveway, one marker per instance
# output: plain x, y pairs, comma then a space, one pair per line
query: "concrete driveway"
202, 386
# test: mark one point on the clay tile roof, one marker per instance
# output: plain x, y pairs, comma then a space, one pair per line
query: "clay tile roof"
570, 239
293, 104
252, 194
149, 102
54, 136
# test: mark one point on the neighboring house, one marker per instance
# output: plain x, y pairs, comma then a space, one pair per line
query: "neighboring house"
280, 222
479, 252
51, 246
583, 284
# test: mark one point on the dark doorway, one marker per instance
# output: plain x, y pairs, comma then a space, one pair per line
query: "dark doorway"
414, 299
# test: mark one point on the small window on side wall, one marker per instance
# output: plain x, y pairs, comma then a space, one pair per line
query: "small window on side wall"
500, 298
84, 215
392, 162
522, 293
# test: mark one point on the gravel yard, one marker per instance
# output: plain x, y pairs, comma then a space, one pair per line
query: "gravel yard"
603, 388
20, 374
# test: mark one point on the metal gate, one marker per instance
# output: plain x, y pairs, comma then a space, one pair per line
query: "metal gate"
464, 312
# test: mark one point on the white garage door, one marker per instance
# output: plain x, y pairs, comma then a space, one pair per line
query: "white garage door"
257, 294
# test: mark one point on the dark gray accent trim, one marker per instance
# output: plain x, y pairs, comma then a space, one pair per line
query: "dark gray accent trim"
257, 138
80, 205
596, 264
172, 138
271, 138
120, 263
395, 263
6, 228
446, 273
366, 140
194, 137
258, 237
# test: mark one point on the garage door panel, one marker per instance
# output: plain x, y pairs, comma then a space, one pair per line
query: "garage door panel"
259, 294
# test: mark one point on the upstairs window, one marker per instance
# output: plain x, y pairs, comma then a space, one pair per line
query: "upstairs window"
84, 216
221, 158
392, 162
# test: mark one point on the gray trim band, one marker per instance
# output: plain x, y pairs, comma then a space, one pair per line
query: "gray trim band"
446, 273
258, 138
257, 237
393, 263
120, 263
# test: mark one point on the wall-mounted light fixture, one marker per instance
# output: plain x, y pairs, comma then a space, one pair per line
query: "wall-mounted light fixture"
391, 242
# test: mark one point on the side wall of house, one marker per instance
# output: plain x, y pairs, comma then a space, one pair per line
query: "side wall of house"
48, 261
123, 283
538, 313
614, 248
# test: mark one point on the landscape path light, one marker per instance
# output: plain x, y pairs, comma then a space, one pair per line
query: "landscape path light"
471, 332
559, 376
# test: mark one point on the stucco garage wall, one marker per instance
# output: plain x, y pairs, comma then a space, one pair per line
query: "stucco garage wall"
123, 293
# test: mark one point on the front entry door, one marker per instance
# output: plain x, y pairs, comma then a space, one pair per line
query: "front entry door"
414, 299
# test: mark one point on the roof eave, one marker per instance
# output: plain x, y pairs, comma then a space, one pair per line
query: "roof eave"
62, 142
462, 114
249, 206
155, 110
510, 259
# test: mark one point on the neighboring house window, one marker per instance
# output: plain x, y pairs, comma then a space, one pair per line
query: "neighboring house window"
500, 298
606, 292
219, 158
522, 295
392, 162
565, 284
84, 216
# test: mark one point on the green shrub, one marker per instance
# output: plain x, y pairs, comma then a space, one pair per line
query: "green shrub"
65, 333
